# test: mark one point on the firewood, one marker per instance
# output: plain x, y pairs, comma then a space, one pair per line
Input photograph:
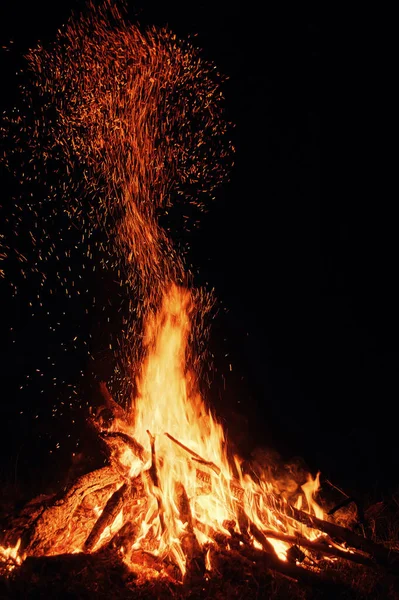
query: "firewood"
266, 561
195, 559
133, 444
221, 539
42, 534
319, 547
153, 473
261, 538
107, 517
194, 455
123, 538
292, 571
381, 555
378, 552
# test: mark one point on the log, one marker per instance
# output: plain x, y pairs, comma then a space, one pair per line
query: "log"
133, 444
292, 571
383, 556
107, 517
43, 532
123, 538
261, 538
269, 562
125, 497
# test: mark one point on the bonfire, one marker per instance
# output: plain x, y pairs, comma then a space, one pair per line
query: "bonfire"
172, 505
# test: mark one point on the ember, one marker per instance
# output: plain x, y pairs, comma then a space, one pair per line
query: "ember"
171, 499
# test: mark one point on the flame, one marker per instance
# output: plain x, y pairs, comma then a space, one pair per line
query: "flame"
186, 446
169, 406
10, 557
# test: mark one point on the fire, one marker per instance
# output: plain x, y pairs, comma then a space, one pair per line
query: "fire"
186, 452
169, 407
171, 490
171, 483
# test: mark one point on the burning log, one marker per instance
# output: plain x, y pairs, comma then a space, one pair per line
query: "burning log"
292, 571
380, 555
261, 538
124, 537
133, 444
107, 517
52, 521
249, 555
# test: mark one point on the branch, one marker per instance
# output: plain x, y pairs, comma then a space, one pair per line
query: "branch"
194, 455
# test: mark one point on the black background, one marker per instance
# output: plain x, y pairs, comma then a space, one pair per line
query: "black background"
308, 281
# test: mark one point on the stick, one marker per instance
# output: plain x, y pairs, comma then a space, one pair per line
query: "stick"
153, 473
381, 554
303, 542
194, 455
291, 570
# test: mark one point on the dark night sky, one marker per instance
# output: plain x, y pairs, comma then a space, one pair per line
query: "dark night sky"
311, 327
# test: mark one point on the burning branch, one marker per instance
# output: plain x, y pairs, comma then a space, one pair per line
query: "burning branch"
195, 456
322, 548
107, 517
382, 555
134, 446
44, 532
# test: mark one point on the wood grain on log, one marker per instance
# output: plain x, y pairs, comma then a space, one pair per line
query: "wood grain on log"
42, 534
